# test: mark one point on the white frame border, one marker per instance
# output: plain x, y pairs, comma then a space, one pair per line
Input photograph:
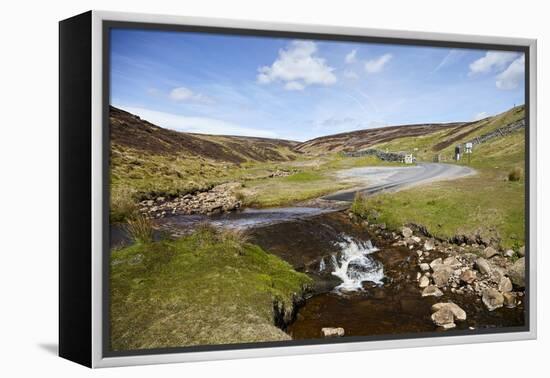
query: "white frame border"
97, 190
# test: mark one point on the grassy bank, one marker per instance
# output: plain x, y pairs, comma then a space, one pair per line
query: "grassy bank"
208, 288
137, 175
491, 202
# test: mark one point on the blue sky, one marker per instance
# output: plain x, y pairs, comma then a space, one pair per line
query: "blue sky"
301, 89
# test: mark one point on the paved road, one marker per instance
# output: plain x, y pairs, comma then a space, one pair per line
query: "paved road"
378, 179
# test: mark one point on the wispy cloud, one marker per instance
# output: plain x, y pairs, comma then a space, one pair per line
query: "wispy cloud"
450, 58
183, 94
351, 57
479, 116
201, 125
513, 76
376, 65
298, 66
350, 74
492, 61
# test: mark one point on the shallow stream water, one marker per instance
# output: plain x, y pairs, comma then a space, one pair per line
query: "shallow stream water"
361, 282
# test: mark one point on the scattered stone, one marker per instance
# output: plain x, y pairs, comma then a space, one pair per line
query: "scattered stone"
332, 331
444, 318
509, 300
424, 282
489, 252
458, 313
483, 266
425, 267
492, 298
429, 244
436, 262
441, 275
517, 272
419, 253
432, 291
416, 239
452, 261
509, 253
521, 251
468, 276
505, 285
406, 232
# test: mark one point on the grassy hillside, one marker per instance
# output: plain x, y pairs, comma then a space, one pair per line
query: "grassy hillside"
443, 142
148, 161
490, 203
361, 139
209, 288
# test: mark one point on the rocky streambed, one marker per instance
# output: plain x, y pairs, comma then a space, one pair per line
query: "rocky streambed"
372, 281
369, 280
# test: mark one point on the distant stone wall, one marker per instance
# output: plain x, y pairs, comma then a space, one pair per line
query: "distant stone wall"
503, 131
386, 156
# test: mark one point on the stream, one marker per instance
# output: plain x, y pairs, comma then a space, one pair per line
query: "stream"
361, 282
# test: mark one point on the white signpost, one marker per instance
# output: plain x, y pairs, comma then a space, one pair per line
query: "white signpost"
468, 150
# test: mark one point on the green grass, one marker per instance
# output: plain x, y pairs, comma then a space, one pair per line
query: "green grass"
136, 176
488, 202
422, 146
211, 287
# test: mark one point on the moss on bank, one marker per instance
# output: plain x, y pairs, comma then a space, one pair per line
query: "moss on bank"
208, 288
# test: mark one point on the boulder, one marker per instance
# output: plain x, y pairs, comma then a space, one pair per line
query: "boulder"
441, 275
489, 252
436, 262
509, 300
505, 285
432, 291
492, 298
429, 244
452, 261
444, 318
517, 272
468, 276
458, 313
332, 331
423, 282
406, 232
483, 266
521, 251
425, 267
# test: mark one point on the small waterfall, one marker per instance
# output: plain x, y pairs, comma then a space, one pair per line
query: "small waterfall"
322, 265
354, 265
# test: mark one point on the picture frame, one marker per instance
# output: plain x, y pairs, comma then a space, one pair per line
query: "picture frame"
84, 207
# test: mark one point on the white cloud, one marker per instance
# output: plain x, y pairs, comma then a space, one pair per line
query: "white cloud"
294, 86
201, 125
376, 65
183, 94
480, 115
351, 56
492, 61
451, 57
350, 75
298, 66
513, 76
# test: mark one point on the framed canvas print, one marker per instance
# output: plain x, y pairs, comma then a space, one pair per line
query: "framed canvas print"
235, 189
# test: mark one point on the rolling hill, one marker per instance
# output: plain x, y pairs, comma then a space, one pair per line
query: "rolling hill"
130, 131
425, 140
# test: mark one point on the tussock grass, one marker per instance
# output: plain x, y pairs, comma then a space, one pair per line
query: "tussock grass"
140, 229
123, 203
359, 205
515, 174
